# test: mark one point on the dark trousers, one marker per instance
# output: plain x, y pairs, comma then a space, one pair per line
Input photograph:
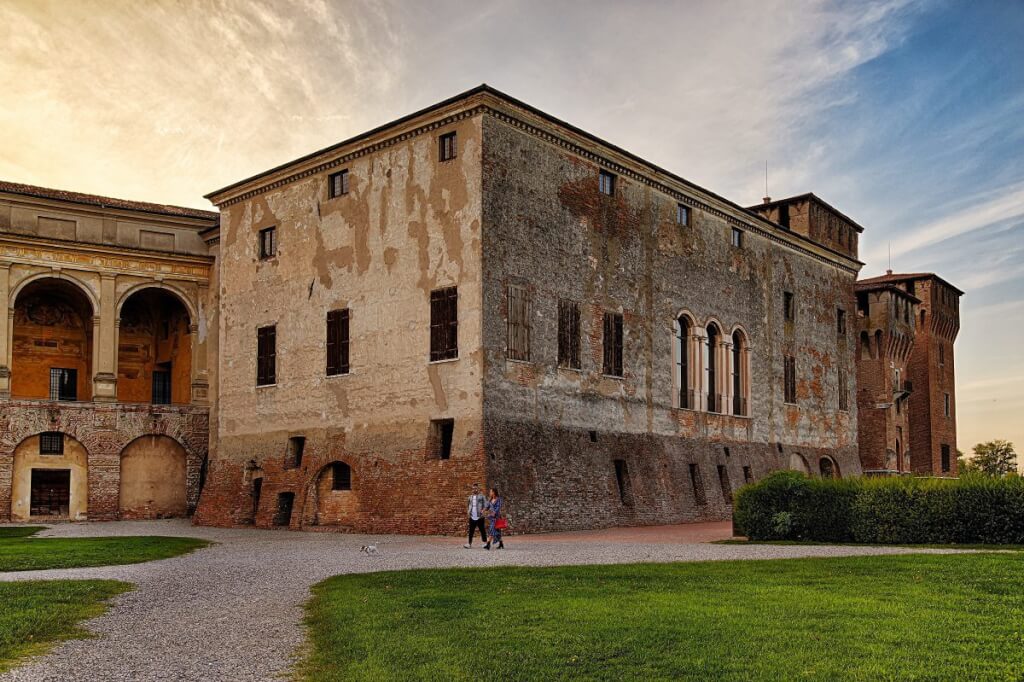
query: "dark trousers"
473, 525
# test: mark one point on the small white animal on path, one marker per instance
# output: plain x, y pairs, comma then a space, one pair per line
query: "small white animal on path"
368, 549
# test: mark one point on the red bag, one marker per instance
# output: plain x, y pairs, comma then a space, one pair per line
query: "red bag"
501, 524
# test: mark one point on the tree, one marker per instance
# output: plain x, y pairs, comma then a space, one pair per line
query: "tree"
994, 458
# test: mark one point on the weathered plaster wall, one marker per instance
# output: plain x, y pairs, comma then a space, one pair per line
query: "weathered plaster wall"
409, 224
26, 457
547, 228
154, 479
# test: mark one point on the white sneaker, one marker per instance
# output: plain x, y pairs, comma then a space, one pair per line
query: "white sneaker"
467, 547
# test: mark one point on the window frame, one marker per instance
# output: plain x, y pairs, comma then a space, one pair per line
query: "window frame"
266, 357
341, 477
343, 176
789, 379
446, 151
518, 327
612, 343
339, 329
61, 390
444, 324
683, 215
47, 439
268, 252
606, 181
569, 334
737, 238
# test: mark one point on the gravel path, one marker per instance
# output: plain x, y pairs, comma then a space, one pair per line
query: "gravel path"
233, 611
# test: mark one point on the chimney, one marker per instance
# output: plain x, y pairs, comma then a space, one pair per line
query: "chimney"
767, 200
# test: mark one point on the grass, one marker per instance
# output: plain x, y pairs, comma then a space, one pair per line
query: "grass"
922, 617
19, 552
37, 614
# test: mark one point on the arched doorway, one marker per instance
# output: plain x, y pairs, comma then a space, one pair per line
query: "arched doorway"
153, 479
50, 478
332, 499
52, 342
828, 468
154, 349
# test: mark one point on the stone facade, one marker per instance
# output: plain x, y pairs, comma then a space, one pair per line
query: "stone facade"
105, 297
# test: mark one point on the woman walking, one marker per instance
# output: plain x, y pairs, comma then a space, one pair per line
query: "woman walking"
497, 521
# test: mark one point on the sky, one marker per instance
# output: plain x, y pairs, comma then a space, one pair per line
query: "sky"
906, 115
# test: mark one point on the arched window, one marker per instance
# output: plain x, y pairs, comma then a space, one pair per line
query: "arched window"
683, 362
711, 367
740, 374
827, 467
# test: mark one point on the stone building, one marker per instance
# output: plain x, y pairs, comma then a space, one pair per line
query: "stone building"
922, 375
475, 292
103, 375
481, 292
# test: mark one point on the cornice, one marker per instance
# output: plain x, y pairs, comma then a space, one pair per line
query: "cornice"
100, 212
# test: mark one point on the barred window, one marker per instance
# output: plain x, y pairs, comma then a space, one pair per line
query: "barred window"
612, 365
63, 384
337, 183
266, 356
337, 342
51, 443
444, 324
790, 378
569, 334
161, 393
518, 323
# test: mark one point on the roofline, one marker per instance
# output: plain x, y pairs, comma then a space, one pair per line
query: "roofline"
913, 276
484, 89
73, 197
815, 197
884, 286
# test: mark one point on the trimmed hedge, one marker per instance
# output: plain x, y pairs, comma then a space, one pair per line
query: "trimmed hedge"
788, 505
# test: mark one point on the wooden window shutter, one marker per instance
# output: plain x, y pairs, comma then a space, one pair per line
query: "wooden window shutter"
337, 342
518, 324
569, 334
444, 324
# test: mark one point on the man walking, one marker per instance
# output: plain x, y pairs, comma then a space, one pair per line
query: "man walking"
475, 510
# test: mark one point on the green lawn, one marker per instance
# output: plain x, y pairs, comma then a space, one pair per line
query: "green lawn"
18, 552
865, 618
36, 614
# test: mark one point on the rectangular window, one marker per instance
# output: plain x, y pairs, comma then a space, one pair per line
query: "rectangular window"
266, 356
606, 183
447, 147
517, 330
784, 216
612, 344
337, 183
444, 324
51, 443
844, 391
942, 355
337, 342
790, 378
698, 485
161, 387
341, 476
63, 384
863, 304
748, 475
840, 322
268, 243
441, 432
723, 479
788, 306
737, 238
945, 458
683, 215
569, 334
945, 403
296, 447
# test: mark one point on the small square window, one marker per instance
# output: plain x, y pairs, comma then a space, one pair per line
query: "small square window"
683, 215
737, 238
337, 183
447, 147
268, 243
51, 443
606, 183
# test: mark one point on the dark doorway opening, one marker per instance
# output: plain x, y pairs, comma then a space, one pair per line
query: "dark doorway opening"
51, 492
285, 502
257, 488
